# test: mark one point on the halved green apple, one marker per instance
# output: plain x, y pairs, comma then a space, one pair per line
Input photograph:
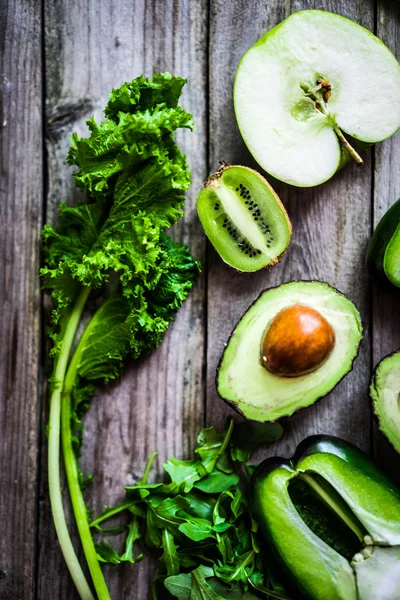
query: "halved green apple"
311, 88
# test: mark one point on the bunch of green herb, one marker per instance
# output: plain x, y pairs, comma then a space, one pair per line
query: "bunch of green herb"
134, 175
198, 523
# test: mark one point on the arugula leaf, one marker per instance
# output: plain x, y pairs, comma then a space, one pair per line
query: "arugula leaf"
169, 560
200, 524
234, 592
240, 570
183, 474
197, 529
247, 436
200, 584
217, 482
193, 585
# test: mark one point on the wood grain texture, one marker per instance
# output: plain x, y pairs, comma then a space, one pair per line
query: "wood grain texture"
158, 403
161, 401
331, 226
20, 218
386, 314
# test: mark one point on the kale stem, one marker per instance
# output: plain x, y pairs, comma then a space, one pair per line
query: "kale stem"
333, 505
72, 470
69, 326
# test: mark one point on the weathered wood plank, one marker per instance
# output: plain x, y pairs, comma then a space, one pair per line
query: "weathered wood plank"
20, 220
158, 404
331, 225
386, 314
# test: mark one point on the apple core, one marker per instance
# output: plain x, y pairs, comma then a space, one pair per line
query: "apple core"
298, 341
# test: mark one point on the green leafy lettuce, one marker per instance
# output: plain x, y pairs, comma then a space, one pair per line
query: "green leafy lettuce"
115, 242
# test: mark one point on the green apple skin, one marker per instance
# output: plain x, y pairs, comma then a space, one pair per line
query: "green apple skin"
283, 130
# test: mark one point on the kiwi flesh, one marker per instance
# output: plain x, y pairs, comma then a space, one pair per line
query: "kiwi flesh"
243, 218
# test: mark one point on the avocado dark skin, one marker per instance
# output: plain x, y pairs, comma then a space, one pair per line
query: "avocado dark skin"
377, 248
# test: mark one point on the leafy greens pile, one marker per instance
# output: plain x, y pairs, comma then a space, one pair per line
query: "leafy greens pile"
199, 523
134, 174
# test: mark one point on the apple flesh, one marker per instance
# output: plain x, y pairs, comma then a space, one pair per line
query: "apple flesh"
310, 85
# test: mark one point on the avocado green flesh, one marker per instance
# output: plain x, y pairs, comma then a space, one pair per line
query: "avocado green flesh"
391, 261
267, 234
376, 506
258, 394
319, 570
283, 130
385, 394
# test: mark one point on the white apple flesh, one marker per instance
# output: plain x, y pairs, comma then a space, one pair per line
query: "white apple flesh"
306, 86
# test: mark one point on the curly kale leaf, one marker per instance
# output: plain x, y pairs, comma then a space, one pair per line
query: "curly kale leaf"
141, 117
136, 176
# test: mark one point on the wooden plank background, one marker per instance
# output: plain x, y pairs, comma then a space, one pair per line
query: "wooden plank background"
59, 59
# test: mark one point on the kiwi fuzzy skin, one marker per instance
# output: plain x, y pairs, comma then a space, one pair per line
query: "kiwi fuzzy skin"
214, 177
233, 404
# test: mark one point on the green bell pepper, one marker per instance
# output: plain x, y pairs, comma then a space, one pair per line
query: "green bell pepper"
347, 481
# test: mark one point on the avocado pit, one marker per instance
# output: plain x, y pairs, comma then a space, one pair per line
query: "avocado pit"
298, 341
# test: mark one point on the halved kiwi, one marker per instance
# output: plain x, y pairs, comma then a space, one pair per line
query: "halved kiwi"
243, 218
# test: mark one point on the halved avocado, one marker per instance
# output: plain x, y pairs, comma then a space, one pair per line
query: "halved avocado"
249, 387
383, 254
385, 395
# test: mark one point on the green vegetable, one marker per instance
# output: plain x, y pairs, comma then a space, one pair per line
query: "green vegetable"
116, 241
383, 254
198, 523
339, 539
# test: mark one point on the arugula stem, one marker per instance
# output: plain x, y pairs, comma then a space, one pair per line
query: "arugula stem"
266, 591
224, 446
72, 470
112, 512
69, 327
147, 468
115, 510
333, 505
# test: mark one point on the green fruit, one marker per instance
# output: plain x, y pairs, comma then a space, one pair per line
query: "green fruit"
383, 254
259, 394
309, 84
385, 395
243, 218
